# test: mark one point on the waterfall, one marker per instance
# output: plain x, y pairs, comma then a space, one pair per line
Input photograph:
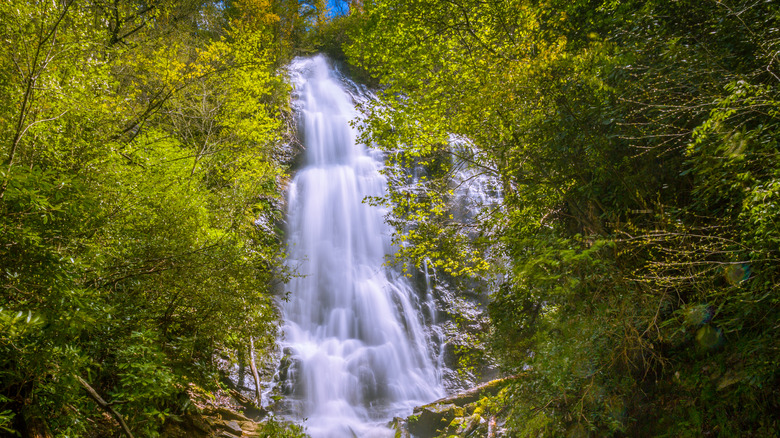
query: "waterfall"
356, 347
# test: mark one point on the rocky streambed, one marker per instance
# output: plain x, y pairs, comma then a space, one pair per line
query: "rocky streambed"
470, 413
227, 414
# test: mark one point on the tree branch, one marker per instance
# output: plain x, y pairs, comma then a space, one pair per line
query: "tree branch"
106, 406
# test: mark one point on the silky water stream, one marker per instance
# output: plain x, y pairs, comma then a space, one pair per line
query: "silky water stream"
355, 343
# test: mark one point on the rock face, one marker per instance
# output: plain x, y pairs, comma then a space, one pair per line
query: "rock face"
218, 422
466, 414
212, 422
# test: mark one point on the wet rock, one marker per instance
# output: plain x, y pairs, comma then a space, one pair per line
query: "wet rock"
399, 425
460, 415
429, 420
462, 426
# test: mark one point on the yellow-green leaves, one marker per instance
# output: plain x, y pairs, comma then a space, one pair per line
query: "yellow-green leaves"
139, 146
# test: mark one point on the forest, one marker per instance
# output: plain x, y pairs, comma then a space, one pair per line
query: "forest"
632, 266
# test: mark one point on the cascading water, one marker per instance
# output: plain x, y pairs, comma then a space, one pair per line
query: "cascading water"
357, 349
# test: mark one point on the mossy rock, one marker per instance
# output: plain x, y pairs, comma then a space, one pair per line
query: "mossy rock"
463, 426
400, 426
429, 420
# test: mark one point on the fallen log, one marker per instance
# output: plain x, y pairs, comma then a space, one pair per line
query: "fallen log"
471, 395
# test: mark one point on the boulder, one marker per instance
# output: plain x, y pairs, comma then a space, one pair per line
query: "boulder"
429, 420
462, 426
232, 427
458, 415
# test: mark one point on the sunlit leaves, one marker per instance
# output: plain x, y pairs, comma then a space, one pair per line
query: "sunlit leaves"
139, 149
648, 124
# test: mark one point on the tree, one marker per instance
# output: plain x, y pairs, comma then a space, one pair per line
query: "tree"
141, 149
633, 144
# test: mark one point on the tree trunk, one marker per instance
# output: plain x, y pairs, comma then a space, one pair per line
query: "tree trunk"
34, 425
252, 365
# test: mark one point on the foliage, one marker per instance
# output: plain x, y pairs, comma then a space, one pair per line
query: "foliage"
635, 251
633, 258
274, 428
141, 147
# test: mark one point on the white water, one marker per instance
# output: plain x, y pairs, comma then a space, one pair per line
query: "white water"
353, 329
